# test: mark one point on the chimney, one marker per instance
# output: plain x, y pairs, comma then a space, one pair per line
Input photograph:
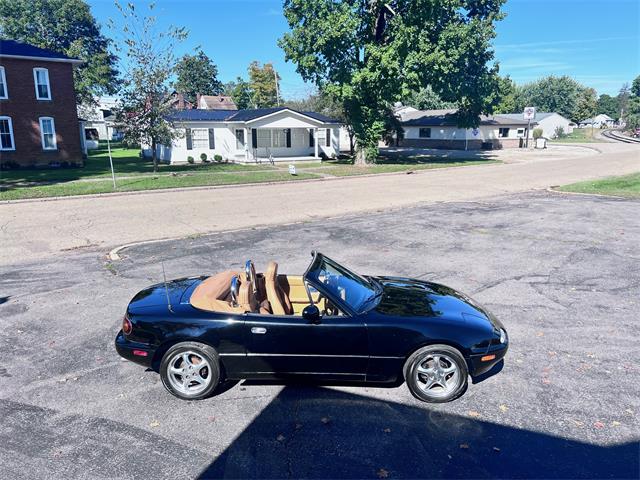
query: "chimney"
180, 101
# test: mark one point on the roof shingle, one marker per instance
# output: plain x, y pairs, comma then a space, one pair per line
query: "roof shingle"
11, 48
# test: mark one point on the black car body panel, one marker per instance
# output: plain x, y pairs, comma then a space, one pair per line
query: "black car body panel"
371, 346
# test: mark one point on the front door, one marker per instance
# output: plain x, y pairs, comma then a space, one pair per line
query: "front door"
287, 344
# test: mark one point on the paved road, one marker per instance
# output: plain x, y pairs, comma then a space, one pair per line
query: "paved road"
35, 230
562, 272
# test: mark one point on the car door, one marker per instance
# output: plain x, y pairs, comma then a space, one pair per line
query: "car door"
336, 347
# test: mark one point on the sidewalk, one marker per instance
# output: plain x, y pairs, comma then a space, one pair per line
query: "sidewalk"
33, 230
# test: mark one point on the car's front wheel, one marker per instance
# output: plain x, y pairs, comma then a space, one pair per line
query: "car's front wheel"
190, 370
436, 374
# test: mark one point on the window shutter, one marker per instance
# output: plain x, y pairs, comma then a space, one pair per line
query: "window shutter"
212, 140
288, 138
254, 138
328, 137
311, 144
188, 137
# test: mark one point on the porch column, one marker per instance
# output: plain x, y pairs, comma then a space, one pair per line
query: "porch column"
315, 142
247, 144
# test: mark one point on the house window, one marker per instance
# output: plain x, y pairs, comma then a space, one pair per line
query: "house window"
264, 137
48, 133
4, 93
41, 80
239, 138
520, 132
6, 134
503, 132
328, 137
425, 133
279, 137
199, 138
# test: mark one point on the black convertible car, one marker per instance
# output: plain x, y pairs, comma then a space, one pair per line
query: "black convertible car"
328, 324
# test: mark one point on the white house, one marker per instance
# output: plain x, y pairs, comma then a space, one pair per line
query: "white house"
438, 129
100, 118
251, 135
547, 121
599, 121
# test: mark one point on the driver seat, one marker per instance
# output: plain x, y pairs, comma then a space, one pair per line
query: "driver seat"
280, 303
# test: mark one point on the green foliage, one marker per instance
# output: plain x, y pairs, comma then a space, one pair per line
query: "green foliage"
608, 105
145, 101
369, 54
507, 96
623, 98
426, 99
551, 94
68, 27
203, 157
632, 116
635, 86
197, 74
217, 158
240, 92
190, 159
559, 132
537, 133
263, 86
586, 103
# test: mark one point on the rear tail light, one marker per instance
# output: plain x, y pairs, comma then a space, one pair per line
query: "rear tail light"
126, 325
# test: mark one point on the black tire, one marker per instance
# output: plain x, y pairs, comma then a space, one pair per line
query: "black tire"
210, 373
436, 394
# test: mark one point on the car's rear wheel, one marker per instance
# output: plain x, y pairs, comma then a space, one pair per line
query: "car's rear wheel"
190, 370
436, 374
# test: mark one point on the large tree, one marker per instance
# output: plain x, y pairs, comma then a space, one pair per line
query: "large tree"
623, 98
372, 53
240, 92
586, 104
507, 97
264, 85
632, 115
563, 95
608, 105
197, 74
426, 99
66, 26
145, 100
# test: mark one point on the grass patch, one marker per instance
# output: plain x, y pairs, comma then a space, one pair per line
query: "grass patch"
579, 135
624, 186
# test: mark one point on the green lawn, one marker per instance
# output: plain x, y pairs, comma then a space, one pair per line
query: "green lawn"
624, 186
579, 135
134, 173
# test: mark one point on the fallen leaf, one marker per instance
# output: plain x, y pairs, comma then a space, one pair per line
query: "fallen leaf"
615, 423
382, 473
473, 413
598, 425
546, 381
503, 408
155, 423
325, 420
464, 446
280, 438
552, 354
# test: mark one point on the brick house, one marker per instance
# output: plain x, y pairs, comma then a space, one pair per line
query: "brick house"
38, 117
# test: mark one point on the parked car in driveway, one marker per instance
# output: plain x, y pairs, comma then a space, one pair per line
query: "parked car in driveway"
329, 324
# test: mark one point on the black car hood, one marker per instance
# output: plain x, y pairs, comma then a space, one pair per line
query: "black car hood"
407, 297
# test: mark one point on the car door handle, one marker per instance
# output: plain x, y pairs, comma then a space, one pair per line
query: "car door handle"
258, 330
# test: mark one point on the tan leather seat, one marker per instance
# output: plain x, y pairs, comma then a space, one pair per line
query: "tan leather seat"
280, 304
214, 294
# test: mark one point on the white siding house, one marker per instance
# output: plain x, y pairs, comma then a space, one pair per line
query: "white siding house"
547, 121
251, 135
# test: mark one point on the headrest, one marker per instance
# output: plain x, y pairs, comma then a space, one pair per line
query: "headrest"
272, 271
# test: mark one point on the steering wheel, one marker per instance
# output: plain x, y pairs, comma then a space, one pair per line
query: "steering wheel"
250, 274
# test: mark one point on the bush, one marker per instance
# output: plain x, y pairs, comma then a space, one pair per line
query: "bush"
190, 159
537, 133
559, 132
203, 157
217, 158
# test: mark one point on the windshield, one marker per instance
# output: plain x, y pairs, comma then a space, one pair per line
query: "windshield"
341, 283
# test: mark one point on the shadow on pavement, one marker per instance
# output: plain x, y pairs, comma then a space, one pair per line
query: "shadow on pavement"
310, 432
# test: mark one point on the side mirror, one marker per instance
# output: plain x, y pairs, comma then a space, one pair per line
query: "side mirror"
311, 314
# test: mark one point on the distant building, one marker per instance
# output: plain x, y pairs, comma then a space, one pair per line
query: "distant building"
215, 102
179, 102
99, 120
547, 121
599, 121
38, 117
438, 129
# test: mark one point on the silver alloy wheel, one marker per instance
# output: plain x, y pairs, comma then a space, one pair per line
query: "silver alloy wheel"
188, 372
437, 375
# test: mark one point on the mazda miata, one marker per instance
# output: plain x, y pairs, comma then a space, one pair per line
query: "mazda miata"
329, 324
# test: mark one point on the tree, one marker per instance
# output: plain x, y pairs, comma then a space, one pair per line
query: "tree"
371, 53
507, 97
197, 74
426, 99
623, 98
551, 94
586, 103
68, 27
145, 101
264, 85
632, 115
608, 105
240, 92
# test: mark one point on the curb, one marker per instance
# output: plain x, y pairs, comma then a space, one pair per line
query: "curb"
552, 189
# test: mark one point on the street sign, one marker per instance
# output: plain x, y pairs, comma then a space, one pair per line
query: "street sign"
529, 113
475, 132
292, 169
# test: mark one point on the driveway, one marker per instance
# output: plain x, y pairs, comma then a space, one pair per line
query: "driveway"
562, 272
37, 229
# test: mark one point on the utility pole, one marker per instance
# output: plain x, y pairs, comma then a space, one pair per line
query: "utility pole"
275, 77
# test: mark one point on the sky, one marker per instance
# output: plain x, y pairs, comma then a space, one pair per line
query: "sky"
597, 42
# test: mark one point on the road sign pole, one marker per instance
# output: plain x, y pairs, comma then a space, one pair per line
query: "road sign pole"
526, 143
113, 173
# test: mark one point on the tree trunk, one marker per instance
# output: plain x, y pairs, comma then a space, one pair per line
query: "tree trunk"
154, 156
360, 159
352, 143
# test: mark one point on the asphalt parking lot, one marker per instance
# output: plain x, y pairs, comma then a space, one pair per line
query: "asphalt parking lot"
562, 273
